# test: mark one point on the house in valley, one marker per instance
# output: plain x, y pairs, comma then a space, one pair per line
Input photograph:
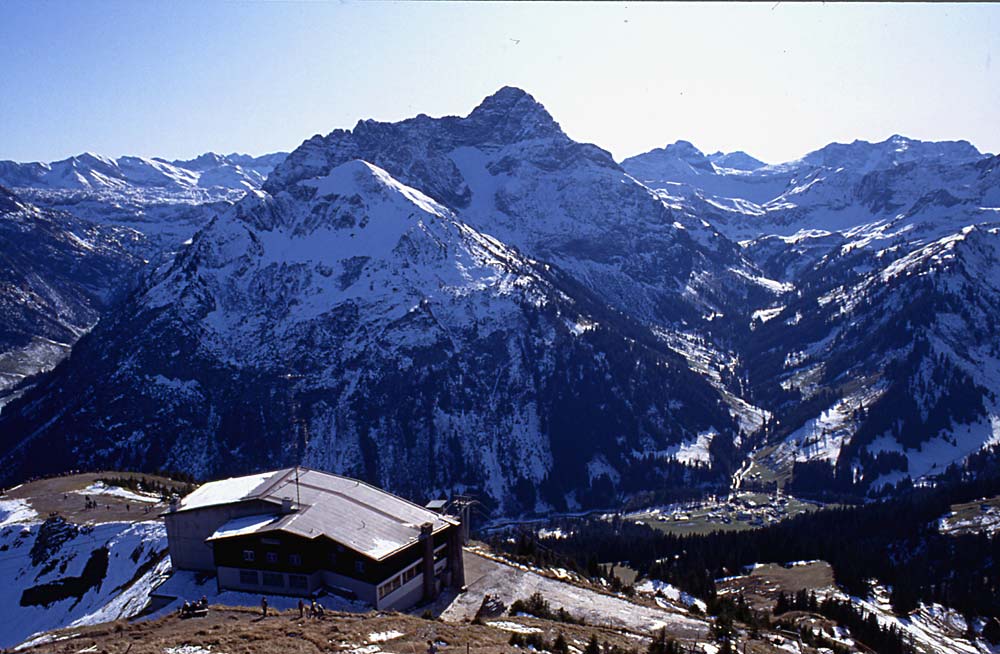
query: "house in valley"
299, 531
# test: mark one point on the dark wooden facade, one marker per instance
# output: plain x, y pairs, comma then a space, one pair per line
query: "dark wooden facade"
293, 554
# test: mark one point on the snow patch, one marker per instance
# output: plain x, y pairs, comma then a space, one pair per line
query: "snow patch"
16, 512
382, 636
101, 488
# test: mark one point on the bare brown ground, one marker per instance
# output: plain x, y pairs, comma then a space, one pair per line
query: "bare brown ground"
56, 495
229, 630
761, 587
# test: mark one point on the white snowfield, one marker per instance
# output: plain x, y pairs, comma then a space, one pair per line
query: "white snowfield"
662, 589
509, 583
383, 636
514, 627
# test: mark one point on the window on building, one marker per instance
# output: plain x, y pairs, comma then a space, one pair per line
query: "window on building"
249, 555
295, 559
299, 582
359, 567
388, 587
411, 573
249, 577
274, 579
272, 557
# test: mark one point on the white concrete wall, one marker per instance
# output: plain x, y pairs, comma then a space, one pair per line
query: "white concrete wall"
229, 579
403, 597
187, 531
364, 590
412, 591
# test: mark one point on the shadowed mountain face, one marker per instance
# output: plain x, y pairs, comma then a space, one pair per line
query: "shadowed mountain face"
58, 275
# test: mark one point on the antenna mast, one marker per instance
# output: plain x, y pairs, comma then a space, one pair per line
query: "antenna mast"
299, 430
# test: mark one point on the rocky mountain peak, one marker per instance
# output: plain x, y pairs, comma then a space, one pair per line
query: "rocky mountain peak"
864, 156
417, 151
738, 160
202, 161
511, 115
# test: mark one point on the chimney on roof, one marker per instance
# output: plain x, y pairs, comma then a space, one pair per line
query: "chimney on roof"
286, 505
175, 503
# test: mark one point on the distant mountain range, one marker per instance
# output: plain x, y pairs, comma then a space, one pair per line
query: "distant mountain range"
77, 232
480, 303
164, 202
91, 172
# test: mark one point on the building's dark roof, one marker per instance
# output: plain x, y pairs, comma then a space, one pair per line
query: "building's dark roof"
350, 512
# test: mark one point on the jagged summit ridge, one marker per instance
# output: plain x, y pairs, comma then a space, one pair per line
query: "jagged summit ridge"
416, 150
864, 156
512, 114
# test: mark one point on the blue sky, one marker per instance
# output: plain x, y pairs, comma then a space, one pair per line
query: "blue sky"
175, 79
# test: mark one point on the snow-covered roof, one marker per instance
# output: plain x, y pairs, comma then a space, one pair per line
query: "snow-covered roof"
352, 513
227, 491
245, 525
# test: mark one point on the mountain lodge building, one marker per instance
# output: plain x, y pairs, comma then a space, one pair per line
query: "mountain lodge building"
299, 531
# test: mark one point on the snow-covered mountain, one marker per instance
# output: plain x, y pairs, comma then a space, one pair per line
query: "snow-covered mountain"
892, 374
505, 309
398, 329
58, 274
75, 232
165, 202
859, 187
91, 172
683, 171
512, 173
738, 160
878, 364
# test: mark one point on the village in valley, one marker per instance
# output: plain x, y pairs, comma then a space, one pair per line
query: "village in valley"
738, 510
